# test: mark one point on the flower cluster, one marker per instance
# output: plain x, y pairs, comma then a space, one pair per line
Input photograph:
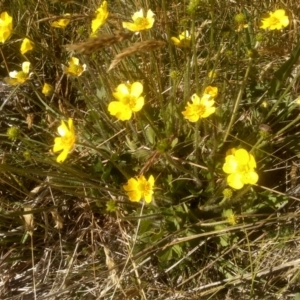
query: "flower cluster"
5, 26
139, 188
240, 165
129, 101
101, 16
66, 141
276, 20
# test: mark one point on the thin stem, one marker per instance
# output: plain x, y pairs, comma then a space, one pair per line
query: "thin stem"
238, 100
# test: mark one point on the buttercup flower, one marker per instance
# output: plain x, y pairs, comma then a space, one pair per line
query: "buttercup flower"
199, 108
140, 22
184, 40
47, 89
66, 141
129, 100
276, 20
20, 77
212, 91
74, 68
101, 16
140, 188
26, 46
61, 23
5, 26
240, 165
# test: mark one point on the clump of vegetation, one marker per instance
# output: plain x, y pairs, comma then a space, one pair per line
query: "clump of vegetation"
149, 149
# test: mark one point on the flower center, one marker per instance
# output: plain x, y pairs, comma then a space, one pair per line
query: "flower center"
68, 140
273, 21
145, 187
142, 22
200, 109
129, 101
75, 69
242, 169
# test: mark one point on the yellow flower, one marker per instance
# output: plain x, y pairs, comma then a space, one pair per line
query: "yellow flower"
183, 41
47, 89
101, 16
66, 140
5, 26
139, 188
74, 68
199, 108
140, 22
26, 46
240, 165
61, 23
20, 77
276, 20
212, 91
129, 100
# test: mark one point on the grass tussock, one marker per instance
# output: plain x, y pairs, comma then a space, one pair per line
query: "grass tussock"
149, 149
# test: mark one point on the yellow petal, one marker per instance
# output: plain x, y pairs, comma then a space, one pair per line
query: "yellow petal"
61, 23
47, 89
151, 180
131, 185
242, 156
235, 181
150, 14
136, 89
130, 26
26, 46
13, 74
138, 14
148, 197
230, 165
5, 26
208, 112
250, 177
62, 156
121, 111
25, 67
139, 104
175, 40
122, 89
58, 145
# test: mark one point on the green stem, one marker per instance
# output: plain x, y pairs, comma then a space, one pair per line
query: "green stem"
238, 100
292, 84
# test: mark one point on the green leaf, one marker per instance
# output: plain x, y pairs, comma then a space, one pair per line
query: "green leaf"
281, 75
178, 250
297, 296
165, 255
131, 145
150, 135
